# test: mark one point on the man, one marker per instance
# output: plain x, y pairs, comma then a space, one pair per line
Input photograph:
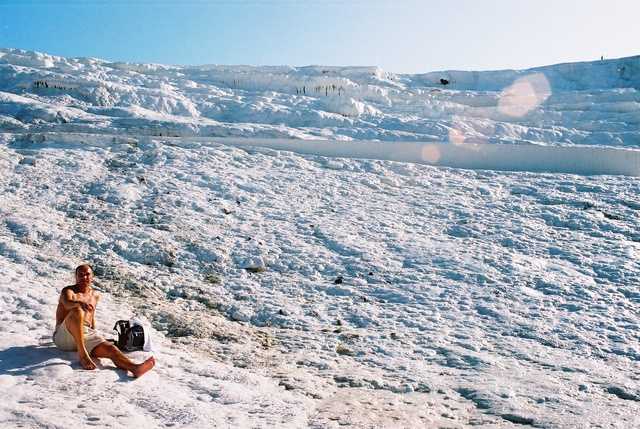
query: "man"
76, 322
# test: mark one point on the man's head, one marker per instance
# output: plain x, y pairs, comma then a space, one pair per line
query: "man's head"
84, 275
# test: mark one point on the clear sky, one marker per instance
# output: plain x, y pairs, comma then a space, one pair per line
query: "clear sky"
402, 36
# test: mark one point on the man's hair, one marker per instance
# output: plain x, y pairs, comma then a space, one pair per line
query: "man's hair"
82, 266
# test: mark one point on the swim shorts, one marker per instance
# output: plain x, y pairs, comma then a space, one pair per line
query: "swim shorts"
63, 339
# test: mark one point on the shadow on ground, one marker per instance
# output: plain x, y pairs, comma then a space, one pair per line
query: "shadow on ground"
23, 360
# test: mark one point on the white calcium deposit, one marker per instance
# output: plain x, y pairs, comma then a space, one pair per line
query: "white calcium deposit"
319, 285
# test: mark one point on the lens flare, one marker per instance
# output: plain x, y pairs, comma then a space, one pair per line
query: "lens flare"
456, 136
431, 154
524, 95
469, 140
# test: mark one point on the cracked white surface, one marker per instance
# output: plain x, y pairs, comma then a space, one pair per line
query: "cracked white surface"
467, 297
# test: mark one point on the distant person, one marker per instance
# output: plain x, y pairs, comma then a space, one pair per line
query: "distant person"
76, 322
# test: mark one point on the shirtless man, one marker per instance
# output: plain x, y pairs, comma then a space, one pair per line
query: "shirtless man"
76, 322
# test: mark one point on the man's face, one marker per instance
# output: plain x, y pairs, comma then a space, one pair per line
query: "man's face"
84, 276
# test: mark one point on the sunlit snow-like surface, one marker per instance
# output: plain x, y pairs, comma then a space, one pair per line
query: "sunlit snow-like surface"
590, 103
313, 284
306, 291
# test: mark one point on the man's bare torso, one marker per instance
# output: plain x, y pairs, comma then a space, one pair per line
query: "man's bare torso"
61, 312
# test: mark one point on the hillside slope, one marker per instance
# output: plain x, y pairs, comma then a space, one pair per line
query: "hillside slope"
306, 291
592, 103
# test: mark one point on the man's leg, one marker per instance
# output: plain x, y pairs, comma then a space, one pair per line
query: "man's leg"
109, 351
74, 323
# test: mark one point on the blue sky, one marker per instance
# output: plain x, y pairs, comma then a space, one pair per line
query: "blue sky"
403, 36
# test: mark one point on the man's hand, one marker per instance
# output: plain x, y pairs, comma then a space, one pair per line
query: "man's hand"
85, 303
71, 300
86, 306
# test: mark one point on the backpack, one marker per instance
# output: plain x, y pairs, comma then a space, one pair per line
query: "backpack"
131, 336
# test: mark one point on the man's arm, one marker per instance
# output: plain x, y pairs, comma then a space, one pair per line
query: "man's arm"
93, 316
70, 300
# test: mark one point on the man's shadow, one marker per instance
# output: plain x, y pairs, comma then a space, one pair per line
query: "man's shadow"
24, 360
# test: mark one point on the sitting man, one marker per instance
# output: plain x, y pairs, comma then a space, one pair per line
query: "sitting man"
76, 322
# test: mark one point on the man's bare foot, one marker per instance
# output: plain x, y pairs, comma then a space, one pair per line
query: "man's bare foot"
86, 362
142, 368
